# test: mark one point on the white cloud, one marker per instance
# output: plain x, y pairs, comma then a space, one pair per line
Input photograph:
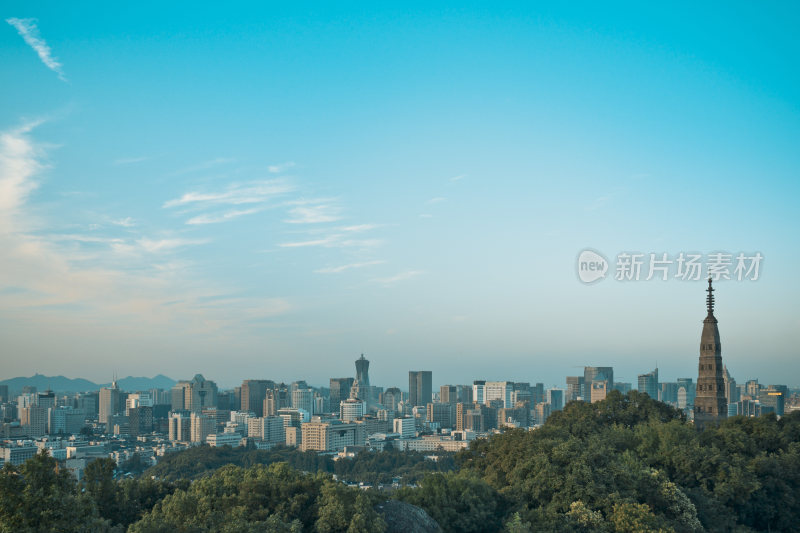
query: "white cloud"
437, 200
163, 245
342, 268
402, 276
334, 241
283, 167
314, 214
30, 33
19, 162
150, 286
249, 193
221, 217
126, 222
458, 178
358, 228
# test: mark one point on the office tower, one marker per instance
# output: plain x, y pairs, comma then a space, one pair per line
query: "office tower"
597, 373
66, 420
33, 420
464, 393
420, 387
180, 427
479, 391
448, 394
689, 389
669, 393
351, 409
253, 393
391, 398
361, 388
340, 390
710, 405
731, 389
774, 397
140, 419
331, 435
574, 388
648, 383
200, 394
537, 392
202, 426
499, 390
441, 413
178, 395
3, 393
46, 399
268, 429
555, 397
543, 410
599, 391
752, 388
109, 405
405, 427
303, 399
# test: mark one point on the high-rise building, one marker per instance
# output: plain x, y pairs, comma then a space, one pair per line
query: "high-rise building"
420, 387
202, 427
731, 390
574, 388
648, 383
669, 393
689, 390
303, 399
109, 405
597, 373
443, 414
351, 409
599, 391
33, 420
178, 395
555, 397
499, 390
391, 398
3, 393
200, 394
331, 435
448, 394
361, 389
479, 391
253, 393
268, 429
340, 390
180, 426
710, 405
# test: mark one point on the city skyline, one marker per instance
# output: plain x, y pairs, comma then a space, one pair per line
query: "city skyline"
249, 193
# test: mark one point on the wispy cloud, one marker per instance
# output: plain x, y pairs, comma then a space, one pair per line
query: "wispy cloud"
283, 167
30, 33
402, 276
357, 228
458, 178
314, 212
342, 268
437, 200
152, 284
333, 241
221, 217
236, 194
425, 215
126, 222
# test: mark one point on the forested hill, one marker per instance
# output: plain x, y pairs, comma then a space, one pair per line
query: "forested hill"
627, 464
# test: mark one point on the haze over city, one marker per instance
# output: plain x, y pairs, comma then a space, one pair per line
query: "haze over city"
271, 191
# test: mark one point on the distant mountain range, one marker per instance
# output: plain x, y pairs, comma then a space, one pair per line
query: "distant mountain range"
64, 384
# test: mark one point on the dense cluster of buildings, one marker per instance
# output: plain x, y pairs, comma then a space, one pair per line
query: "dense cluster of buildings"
349, 415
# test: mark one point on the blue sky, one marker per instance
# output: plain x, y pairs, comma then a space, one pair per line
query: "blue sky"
269, 190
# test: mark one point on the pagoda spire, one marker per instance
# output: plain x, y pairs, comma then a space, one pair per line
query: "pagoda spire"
710, 298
